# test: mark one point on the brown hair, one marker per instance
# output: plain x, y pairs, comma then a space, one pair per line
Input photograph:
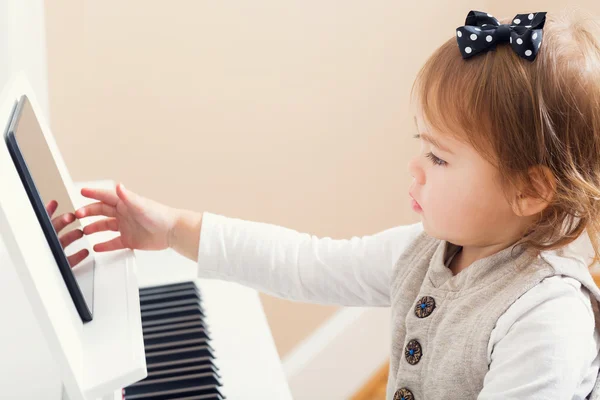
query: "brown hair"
521, 114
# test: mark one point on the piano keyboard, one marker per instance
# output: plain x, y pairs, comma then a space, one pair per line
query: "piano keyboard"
179, 358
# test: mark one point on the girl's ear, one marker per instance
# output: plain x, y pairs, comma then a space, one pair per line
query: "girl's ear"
533, 200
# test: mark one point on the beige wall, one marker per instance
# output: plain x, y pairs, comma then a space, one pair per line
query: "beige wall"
293, 113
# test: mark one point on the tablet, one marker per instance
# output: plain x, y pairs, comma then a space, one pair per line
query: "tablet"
43, 183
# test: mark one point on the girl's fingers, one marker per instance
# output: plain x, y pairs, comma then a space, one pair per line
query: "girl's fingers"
114, 244
70, 237
60, 222
107, 196
78, 257
51, 207
130, 199
95, 209
107, 224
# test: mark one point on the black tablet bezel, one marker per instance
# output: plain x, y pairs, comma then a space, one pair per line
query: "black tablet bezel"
42, 215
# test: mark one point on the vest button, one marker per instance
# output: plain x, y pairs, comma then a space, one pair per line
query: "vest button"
425, 307
413, 352
403, 394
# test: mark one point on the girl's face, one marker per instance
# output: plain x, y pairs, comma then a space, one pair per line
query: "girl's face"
460, 198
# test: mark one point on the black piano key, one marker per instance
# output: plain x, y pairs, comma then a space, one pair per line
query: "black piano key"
180, 344
190, 395
173, 285
183, 325
169, 371
158, 393
178, 372
153, 365
191, 377
206, 382
173, 315
158, 298
176, 354
175, 336
166, 296
167, 288
170, 303
213, 396
174, 312
171, 320
167, 323
179, 358
193, 330
181, 363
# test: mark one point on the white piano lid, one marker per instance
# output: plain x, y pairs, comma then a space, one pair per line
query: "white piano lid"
105, 354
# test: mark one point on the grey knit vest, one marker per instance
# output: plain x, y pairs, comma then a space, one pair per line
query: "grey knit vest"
442, 323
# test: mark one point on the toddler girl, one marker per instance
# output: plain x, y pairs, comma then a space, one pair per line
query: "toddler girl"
489, 299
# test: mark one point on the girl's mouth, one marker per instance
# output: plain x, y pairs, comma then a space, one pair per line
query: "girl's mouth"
415, 206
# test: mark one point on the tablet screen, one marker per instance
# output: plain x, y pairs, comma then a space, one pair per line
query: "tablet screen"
44, 186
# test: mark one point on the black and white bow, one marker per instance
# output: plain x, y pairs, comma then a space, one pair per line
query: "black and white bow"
482, 32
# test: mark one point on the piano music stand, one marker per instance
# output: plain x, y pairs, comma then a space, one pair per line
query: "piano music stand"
94, 359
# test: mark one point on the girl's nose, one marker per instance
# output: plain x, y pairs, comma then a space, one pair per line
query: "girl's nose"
415, 170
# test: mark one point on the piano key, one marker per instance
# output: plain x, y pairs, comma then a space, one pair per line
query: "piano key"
179, 357
191, 378
190, 395
158, 393
178, 302
206, 382
171, 312
166, 321
180, 344
178, 369
175, 335
185, 353
184, 362
219, 344
157, 365
168, 288
169, 327
175, 370
160, 297
200, 397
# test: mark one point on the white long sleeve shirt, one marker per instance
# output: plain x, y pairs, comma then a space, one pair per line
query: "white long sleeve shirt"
545, 346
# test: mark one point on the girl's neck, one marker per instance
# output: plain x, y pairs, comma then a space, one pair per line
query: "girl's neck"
468, 255
457, 264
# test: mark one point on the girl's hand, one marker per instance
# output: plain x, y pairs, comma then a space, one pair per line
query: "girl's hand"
59, 223
142, 223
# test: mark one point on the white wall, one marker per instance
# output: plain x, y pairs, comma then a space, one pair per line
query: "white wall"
26, 367
23, 44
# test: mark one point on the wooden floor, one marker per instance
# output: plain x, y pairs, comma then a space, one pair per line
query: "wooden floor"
374, 389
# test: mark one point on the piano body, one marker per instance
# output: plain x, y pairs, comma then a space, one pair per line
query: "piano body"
158, 332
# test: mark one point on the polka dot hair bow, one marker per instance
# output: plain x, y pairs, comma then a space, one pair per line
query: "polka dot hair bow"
482, 32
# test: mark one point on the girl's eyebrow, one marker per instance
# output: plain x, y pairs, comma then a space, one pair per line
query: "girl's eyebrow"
431, 139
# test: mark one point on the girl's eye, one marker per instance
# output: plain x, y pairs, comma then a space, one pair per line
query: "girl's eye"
435, 160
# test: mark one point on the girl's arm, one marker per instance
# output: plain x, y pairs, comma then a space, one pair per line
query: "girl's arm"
545, 345
270, 258
293, 265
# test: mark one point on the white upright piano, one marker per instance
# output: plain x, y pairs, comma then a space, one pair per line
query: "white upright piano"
155, 324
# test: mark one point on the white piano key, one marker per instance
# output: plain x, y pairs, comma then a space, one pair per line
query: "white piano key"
245, 352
